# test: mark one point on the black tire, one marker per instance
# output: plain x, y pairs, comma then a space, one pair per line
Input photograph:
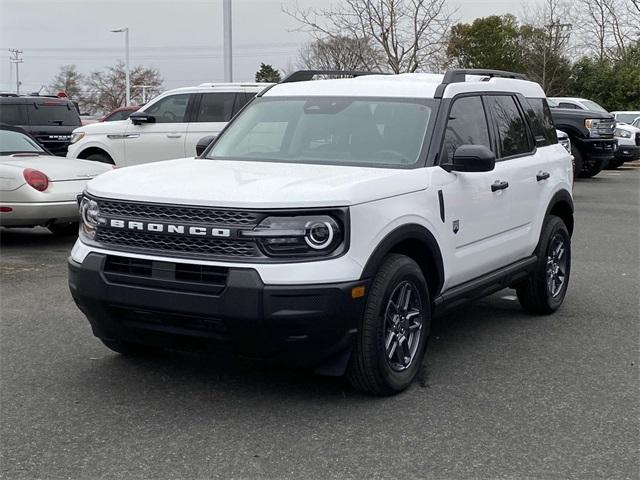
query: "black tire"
100, 157
369, 370
593, 169
64, 229
129, 349
535, 294
615, 163
578, 163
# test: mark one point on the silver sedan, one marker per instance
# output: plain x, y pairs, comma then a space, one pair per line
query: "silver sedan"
37, 188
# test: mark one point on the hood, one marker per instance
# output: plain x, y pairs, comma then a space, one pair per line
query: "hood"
570, 112
102, 128
627, 128
56, 168
242, 184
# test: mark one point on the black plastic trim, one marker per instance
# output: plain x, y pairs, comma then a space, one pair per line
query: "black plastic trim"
441, 202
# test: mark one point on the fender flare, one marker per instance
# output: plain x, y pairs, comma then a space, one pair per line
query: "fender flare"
412, 231
561, 196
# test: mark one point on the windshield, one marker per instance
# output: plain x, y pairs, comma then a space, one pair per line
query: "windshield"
15, 142
627, 117
323, 130
593, 106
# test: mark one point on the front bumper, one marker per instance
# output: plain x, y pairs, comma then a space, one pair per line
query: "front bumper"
598, 149
29, 214
303, 324
627, 153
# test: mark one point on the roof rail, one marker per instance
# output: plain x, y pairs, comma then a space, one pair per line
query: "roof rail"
304, 75
459, 75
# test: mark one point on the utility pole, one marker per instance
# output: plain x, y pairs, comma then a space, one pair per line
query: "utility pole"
17, 59
227, 32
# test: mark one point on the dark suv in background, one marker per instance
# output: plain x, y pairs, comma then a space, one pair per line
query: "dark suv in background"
49, 119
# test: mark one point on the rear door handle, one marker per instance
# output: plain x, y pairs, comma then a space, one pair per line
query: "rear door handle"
174, 135
499, 185
542, 176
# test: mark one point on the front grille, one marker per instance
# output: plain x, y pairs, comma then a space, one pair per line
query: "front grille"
209, 246
185, 214
606, 128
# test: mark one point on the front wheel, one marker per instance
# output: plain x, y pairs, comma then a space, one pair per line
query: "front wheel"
393, 333
544, 291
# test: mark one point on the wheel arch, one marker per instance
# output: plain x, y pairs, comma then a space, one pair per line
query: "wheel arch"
561, 205
84, 154
418, 243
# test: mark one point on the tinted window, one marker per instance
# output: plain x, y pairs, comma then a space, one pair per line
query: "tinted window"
12, 114
241, 100
170, 109
512, 132
568, 105
15, 142
216, 107
467, 125
327, 130
53, 112
541, 122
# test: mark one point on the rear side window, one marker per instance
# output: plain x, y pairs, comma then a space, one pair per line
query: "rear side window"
53, 113
12, 114
467, 125
568, 105
216, 107
541, 122
170, 109
513, 137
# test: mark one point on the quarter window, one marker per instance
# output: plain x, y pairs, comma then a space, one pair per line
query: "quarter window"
171, 109
512, 132
541, 122
467, 125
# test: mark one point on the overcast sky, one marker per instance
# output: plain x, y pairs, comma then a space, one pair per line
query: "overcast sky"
182, 38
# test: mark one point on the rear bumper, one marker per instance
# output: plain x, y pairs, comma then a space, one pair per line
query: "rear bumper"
42, 213
301, 324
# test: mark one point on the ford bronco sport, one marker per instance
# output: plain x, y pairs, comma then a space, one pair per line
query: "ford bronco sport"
331, 221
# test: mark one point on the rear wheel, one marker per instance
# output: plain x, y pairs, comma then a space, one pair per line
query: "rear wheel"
544, 291
64, 229
393, 333
100, 157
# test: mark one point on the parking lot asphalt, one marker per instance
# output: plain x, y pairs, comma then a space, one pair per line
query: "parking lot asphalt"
502, 394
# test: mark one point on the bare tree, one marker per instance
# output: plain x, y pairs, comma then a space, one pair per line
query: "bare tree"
106, 90
70, 81
339, 53
613, 24
409, 35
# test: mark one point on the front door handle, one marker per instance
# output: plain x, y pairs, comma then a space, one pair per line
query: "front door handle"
542, 176
499, 185
174, 135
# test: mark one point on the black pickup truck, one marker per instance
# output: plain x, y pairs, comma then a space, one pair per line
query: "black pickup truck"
49, 119
591, 134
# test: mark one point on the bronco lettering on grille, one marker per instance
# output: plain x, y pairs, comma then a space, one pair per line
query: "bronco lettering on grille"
155, 227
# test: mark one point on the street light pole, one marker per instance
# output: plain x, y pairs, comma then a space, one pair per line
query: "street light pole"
227, 32
17, 60
127, 71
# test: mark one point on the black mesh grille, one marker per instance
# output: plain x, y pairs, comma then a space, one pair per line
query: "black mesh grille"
185, 214
173, 243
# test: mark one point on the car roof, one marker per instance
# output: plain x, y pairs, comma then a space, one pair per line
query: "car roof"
637, 112
23, 99
222, 87
404, 85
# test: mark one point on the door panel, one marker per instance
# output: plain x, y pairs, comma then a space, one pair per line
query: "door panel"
162, 140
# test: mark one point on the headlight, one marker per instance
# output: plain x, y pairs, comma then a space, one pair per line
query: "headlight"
305, 235
89, 213
75, 136
622, 133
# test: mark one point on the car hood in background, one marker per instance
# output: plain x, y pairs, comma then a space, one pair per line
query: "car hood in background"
254, 184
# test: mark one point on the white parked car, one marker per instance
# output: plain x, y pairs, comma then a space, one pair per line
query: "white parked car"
331, 221
167, 127
37, 188
627, 135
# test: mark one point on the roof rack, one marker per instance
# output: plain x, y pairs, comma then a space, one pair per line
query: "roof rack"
304, 75
459, 75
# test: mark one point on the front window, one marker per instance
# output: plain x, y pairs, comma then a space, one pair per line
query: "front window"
171, 109
15, 142
323, 130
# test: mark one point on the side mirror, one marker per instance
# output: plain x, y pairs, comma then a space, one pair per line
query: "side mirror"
138, 118
203, 143
471, 158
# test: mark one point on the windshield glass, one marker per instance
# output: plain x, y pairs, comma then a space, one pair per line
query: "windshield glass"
15, 142
336, 131
593, 106
627, 117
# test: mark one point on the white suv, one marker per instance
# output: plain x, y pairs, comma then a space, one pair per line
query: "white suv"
331, 221
168, 127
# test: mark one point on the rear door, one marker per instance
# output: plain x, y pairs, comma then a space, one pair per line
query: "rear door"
164, 139
477, 217
213, 111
